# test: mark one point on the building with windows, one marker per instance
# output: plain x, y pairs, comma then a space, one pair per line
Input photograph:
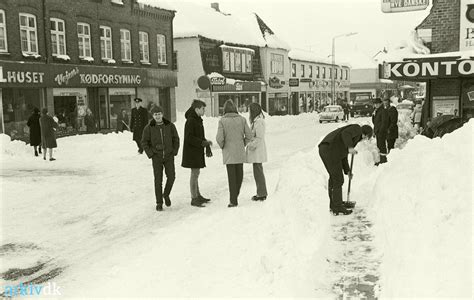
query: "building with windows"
71, 56
310, 81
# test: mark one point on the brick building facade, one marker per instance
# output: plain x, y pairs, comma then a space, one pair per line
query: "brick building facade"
83, 54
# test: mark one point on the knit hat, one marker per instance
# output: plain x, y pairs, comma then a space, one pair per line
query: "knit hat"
156, 109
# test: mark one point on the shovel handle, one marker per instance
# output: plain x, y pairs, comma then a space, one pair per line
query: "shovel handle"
350, 177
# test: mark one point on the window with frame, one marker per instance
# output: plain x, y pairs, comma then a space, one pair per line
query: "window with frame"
84, 40
232, 62
317, 71
310, 73
144, 47
58, 37
125, 45
335, 73
28, 35
323, 72
238, 63
347, 74
302, 71
293, 70
244, 62
248, 57
105, 42
161, 44
340, 73
226, 60
3, 32
276, 63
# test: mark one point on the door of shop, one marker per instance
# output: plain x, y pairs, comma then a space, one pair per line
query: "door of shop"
164, 98
99, 105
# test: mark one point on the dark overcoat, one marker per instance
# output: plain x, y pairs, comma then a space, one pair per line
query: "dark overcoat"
380, 120
138, 122
48, 126
392, 131
35, 129
193, 150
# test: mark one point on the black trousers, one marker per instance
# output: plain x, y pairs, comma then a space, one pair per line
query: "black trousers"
336, 176
158, 165
391, 144
139, 145
235, 176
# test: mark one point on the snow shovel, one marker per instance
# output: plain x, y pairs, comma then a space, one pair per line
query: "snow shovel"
350, 178
126, 125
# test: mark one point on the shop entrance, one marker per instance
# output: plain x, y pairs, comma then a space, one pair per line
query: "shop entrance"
64, 107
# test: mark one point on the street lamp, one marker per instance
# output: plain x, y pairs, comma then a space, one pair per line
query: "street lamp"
333, 77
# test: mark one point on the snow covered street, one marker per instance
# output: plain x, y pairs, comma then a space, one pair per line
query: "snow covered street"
87, 221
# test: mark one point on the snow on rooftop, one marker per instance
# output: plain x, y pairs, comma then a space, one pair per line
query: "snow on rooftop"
157, 4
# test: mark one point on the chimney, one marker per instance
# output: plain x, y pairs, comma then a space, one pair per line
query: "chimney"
215, 5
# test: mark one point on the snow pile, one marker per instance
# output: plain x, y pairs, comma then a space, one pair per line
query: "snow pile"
423, 217
406, 131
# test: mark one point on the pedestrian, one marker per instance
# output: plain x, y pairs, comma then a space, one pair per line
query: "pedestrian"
380, 121
89, 120
160, 141
35, 130
48, 137
417, 113
257, 150
333, 151
193, 149
346, 111
138, 121
392, 130
233, 134
122, 121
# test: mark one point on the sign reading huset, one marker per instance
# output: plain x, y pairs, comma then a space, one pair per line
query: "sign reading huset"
427, 69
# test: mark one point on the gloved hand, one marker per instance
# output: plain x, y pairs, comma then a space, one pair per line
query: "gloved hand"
208, 151
206, 143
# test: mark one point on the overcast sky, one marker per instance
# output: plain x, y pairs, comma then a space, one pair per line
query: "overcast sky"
311, 24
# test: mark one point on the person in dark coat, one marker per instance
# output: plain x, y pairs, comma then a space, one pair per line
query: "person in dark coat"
35, 130
380, 121
160, 141
392, 130
122, 121
89, 120
346, 109
333, 151
193, 149
138, 121
48, 137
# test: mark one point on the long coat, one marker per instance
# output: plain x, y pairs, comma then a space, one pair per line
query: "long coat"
162, 140
138, 122
257, 149
392, 131
91, 127
233, 134
35, 129
48, 126
380, 120
193, 150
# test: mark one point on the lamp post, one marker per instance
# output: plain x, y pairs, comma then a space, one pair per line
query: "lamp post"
333, 65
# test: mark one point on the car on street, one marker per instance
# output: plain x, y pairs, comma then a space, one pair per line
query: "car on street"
331, 113
362, 105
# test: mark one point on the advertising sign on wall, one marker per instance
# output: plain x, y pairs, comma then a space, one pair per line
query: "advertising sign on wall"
445, 105
393, 6
466, 33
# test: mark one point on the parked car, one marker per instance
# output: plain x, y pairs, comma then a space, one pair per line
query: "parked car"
362, 105
331, 113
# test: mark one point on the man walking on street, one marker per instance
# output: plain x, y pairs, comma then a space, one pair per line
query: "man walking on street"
137, 122
333, 151
161, 143
380, 121
392, 130
193, 149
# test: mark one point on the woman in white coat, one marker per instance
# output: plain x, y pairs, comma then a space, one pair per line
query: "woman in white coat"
257, 150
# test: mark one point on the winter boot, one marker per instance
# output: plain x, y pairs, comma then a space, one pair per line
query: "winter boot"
203, 200
232, 205
167, 200
159, 207
259, 198
341, 210
196, 202
36, 153
348, 204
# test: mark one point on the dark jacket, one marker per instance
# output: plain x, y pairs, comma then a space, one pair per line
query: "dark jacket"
138, 121
48, 137
340, 140
392, 131
35, 129
161, 140
380, 120
193, 150
91, 127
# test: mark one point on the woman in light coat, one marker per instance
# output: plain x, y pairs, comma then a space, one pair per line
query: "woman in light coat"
48, 136
257, 150
233, 134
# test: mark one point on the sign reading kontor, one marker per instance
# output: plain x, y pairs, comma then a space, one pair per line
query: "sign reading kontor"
427, 69
393, 6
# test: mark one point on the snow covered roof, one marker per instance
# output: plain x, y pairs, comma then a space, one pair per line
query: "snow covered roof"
407, 54
192, 20
300, 54
157, 4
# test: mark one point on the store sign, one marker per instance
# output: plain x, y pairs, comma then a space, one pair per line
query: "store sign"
217, 80
274, 82
293, 82
445, 105
20, 76
427, 69
466, 28
393, 6
239, 86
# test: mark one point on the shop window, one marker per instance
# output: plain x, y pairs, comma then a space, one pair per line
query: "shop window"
278, 104
276, 63
293, 70
125, 45
241, 101
3, 32
302, 71
310, 73
17, 108
105, 42
161, 43
28, 35
84, 40
144, 47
